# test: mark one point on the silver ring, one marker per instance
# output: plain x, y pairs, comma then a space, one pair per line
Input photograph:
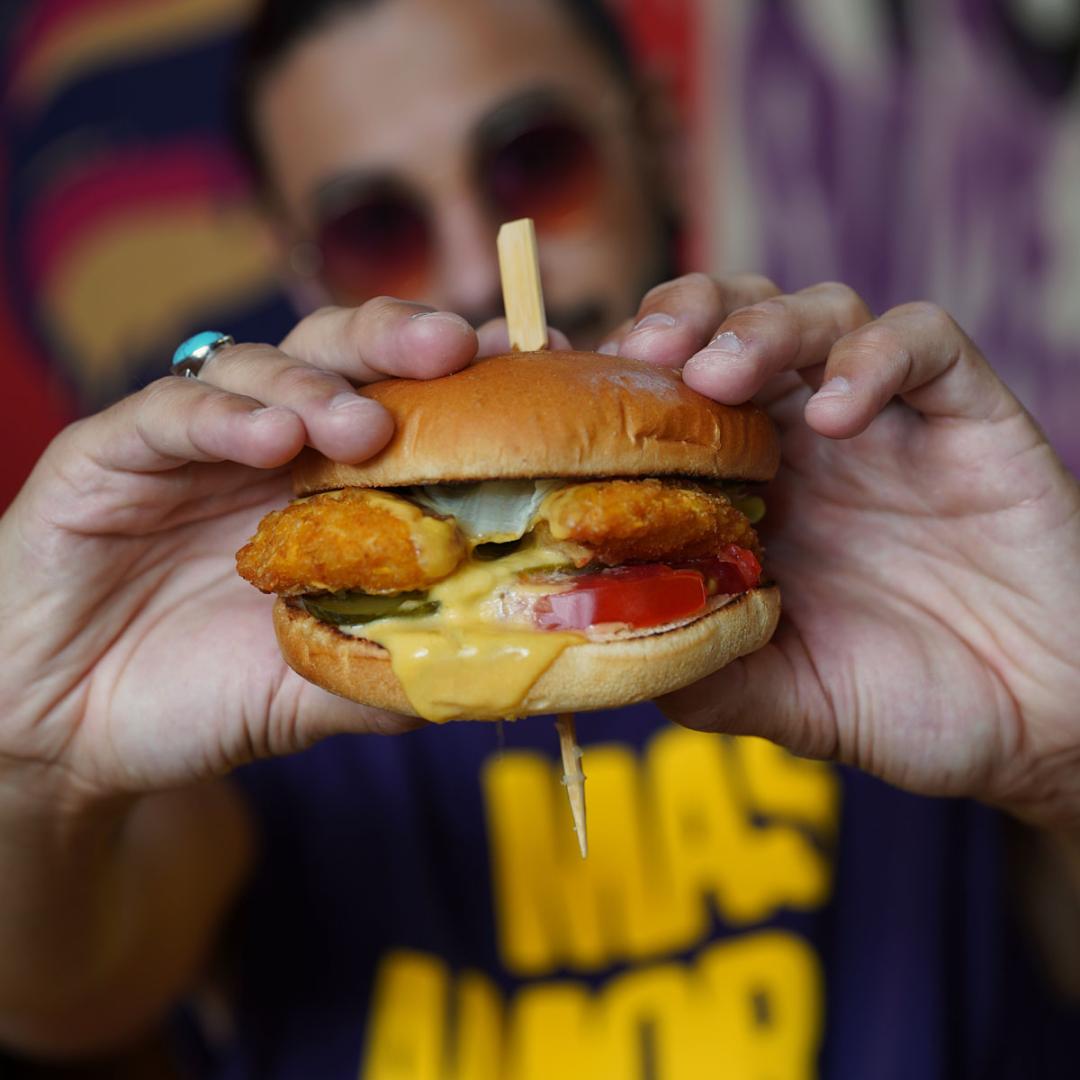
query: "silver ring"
189, 358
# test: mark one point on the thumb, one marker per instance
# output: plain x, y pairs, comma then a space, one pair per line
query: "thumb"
303, 714
774, 692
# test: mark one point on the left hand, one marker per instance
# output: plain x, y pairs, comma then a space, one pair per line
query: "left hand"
925, 536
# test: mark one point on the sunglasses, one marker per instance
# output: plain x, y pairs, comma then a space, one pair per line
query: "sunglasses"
376, 236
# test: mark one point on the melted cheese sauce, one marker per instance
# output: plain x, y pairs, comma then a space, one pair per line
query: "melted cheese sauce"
463, 663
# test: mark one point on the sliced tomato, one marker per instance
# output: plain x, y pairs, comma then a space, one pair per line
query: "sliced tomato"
733, 570
636, 595
649, 595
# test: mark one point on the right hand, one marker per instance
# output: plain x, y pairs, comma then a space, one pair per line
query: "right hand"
135, 658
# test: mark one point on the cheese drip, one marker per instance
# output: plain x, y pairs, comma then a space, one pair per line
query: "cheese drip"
462, 663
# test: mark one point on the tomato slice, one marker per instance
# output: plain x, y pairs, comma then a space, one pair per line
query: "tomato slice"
733, 570
637, 595
650, 595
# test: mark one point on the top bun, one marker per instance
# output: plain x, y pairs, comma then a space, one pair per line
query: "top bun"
553, 414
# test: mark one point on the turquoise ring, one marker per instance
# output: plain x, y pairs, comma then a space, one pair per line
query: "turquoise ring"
189, 358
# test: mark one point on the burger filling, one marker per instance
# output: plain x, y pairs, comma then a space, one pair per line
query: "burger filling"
475, 589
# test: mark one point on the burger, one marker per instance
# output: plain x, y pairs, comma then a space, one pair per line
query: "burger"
546, 532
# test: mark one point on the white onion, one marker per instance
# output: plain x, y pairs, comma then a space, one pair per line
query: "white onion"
493, 511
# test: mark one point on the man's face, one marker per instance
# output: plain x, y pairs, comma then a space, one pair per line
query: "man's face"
397, 138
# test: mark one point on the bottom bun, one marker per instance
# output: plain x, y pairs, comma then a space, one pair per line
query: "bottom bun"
593, 675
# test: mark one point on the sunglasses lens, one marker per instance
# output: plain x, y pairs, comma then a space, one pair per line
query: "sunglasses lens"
381, 244
548, 172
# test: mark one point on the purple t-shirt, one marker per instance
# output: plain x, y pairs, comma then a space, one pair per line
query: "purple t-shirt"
420, 910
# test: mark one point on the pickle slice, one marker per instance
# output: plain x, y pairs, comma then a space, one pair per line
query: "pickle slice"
356, 608
493, 549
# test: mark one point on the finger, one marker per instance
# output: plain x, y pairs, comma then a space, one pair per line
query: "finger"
338, 421
916, 352
676, 319
614, 340
774, 693
382, 338
494, 338
783, 333
173, 421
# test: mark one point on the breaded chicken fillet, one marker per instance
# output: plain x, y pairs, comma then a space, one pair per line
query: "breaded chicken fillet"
376, 542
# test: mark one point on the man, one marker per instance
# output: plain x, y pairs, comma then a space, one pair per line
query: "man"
515, 111
929, 566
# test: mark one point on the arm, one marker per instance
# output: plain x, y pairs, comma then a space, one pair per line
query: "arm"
109, 911
139, 669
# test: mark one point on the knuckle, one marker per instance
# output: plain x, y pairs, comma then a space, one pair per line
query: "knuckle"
378, 307
773, 314
772, 317
244, 350
773, 308
240, 355
68, 441
931, 315
694, 284
875, 340
844, 298
358, 320
361, 322
161, 392
697, 281
313, 327
300, 381
356, 323
750, 284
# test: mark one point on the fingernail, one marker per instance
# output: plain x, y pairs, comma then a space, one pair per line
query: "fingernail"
609, 348
724, 349
347, 400
447, 317
836, 387
273, 413
658, 320
728, 342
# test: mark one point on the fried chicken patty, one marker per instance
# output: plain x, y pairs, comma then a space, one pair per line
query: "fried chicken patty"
378, 542
350, 539
621, 521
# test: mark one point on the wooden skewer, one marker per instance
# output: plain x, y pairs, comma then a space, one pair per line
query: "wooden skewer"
519, 267
523, 298
573, 778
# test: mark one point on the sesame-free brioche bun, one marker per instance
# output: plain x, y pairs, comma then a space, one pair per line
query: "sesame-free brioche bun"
553, 414
592, 675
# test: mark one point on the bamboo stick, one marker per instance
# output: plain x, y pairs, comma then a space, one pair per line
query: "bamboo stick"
573, 778
523, 298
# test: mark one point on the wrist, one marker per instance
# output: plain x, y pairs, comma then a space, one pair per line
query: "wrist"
45, 804
62, 889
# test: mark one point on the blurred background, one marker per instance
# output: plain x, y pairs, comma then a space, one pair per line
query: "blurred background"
913, 148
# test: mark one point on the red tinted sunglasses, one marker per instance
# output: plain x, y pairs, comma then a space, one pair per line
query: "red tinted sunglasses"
376, 235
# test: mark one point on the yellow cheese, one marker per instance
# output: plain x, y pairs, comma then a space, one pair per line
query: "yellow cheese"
462, 663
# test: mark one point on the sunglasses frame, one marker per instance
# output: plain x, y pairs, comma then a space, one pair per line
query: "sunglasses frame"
498, 130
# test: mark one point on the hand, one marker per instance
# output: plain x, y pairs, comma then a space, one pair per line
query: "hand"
925, 537
135, 658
